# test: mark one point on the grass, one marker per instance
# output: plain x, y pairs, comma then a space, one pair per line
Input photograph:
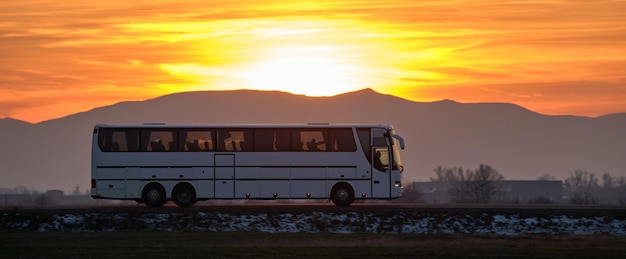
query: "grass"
135, 244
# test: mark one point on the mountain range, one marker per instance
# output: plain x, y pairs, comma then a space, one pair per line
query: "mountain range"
519, 143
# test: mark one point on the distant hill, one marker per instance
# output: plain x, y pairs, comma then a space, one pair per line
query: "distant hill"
10, 124
519, 143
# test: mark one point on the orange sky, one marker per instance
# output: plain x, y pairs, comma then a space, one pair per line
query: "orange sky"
553, 57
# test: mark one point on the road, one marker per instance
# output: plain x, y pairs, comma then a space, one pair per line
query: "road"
378, 207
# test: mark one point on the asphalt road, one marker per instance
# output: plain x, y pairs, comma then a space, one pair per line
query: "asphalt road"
377, 207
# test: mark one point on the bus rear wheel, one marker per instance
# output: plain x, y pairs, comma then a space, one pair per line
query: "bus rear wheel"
342, 195
154, 195
184, 195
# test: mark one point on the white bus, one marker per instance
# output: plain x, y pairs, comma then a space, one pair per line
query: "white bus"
153, 163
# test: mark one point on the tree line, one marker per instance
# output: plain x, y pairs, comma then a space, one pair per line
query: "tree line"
484, 185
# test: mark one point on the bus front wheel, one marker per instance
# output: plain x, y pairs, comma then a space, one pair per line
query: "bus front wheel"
184, 195
154, 195
342, 195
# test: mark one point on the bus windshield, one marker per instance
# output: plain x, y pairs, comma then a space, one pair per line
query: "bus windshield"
397, 143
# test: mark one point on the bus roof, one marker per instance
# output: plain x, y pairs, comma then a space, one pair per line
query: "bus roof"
260, 125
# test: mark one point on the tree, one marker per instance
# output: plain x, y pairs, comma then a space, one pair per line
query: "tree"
448, 174
581, 187
609, 181
483, 185
454, 178
610, 191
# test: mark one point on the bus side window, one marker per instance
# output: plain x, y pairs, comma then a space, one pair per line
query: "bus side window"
130, 140
196, 140
235, 140
271, 140
282, 140
115, 146
245, 143
207, 146
192, 146
297, 145
118, 140
341, 140
364, 139
310, 140
157, 145
158, 140
312, 145
264, 140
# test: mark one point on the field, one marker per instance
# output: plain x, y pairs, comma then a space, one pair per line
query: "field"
132, 244
312, 232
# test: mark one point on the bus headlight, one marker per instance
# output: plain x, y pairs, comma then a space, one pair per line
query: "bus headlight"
398, 184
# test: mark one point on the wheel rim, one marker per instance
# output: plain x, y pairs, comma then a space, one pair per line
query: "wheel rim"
183, 196
153, 197
342, 195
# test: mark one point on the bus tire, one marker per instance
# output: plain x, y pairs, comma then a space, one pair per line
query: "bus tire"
153, 195
342, 194
184, 195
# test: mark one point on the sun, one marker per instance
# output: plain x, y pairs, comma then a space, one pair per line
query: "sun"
303, 74
316, 74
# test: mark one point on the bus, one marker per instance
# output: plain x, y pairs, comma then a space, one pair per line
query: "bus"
154, 163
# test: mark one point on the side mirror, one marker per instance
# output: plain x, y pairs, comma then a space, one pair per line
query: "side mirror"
400, 140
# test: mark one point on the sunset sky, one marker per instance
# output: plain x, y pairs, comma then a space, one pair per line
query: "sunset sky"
553, 57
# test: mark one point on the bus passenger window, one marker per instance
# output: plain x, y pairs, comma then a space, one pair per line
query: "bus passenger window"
192, 146
271, 140
235, 140
264, 140
157, 145
206, 146
118, 140
310, 140
158, 140
313, 145
282, 140
196, 140
341, 140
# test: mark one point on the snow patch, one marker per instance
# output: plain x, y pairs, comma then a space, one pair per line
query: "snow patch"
315, 221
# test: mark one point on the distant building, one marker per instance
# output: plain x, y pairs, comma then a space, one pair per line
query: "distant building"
433, 192
533, 191
55, 193
514, 191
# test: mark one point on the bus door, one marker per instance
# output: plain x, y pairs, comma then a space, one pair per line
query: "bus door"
381, 177
224, 175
